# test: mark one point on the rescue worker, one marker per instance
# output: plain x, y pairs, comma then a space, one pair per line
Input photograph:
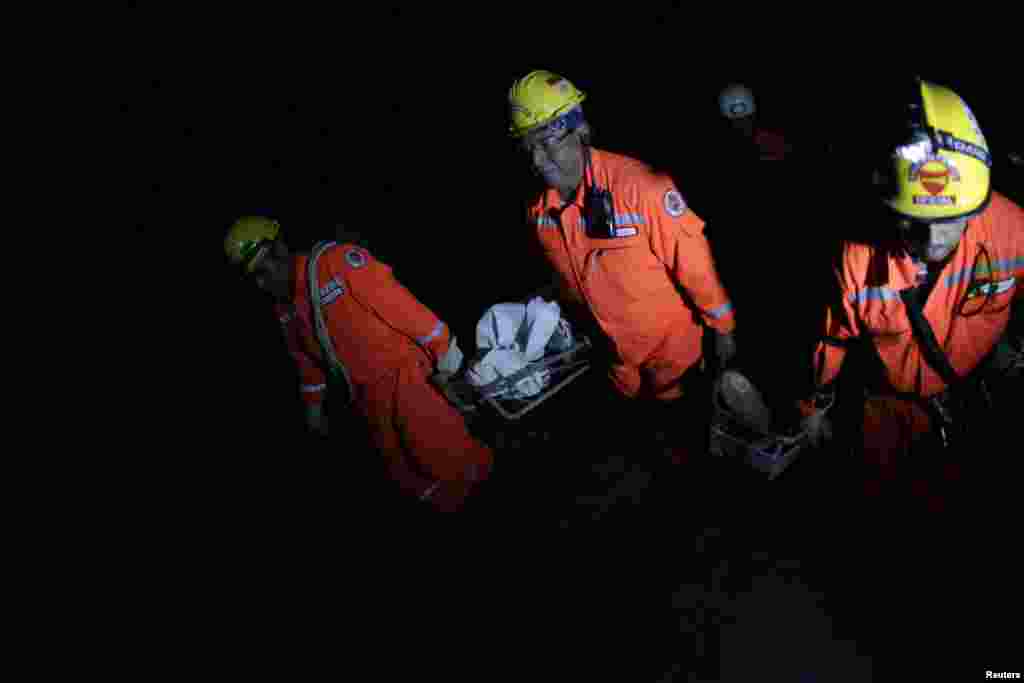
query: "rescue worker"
387, 346
630, 259
923, 313
736, 103
741, 178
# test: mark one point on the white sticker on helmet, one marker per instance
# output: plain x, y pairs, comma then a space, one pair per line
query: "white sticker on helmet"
915, 152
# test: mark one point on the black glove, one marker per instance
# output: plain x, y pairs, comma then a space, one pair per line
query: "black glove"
458, 392
725, 349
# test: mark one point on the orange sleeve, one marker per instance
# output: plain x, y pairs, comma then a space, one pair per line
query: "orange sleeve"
840, 328
1015, 220
677, 239
312, 382
375, 286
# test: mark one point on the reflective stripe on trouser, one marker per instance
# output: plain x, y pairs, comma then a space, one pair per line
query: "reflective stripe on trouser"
427, 448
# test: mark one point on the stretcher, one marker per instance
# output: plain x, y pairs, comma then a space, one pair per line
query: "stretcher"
742, 428
557, 370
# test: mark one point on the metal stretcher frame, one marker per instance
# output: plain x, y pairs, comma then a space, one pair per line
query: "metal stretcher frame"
492, 394
766, 452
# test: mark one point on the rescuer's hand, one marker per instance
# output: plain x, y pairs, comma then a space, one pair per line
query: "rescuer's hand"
316, 421
725, 348
818, 428
451, 361
457, 392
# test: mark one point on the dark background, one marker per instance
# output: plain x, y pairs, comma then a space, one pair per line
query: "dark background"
392, 122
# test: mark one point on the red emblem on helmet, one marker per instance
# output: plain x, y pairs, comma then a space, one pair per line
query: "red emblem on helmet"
934, 176
935, 173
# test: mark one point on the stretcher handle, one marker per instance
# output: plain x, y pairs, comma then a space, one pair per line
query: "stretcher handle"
507, 383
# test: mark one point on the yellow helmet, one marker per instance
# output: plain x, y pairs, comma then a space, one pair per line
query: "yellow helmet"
248, 239
538, 98
941, 169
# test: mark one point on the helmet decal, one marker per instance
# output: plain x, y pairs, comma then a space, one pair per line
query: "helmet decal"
935, 175
917, 151
941, 170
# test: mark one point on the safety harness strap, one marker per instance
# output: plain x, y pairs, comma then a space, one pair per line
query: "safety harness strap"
951, 409
323, 336
933, 353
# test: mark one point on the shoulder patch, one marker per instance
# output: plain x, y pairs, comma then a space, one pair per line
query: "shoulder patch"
331, 291
355, 258
674, 204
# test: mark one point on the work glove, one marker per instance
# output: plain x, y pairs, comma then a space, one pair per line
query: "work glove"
447, 378
451, 361
316, 421
725, 349
458, 392
818, 428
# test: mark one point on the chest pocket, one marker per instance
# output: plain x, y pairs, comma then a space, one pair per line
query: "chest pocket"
990, 297
625, 268
988, 286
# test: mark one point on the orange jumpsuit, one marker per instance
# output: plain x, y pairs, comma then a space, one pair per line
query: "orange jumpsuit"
968, 309
390, 344
630, 282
